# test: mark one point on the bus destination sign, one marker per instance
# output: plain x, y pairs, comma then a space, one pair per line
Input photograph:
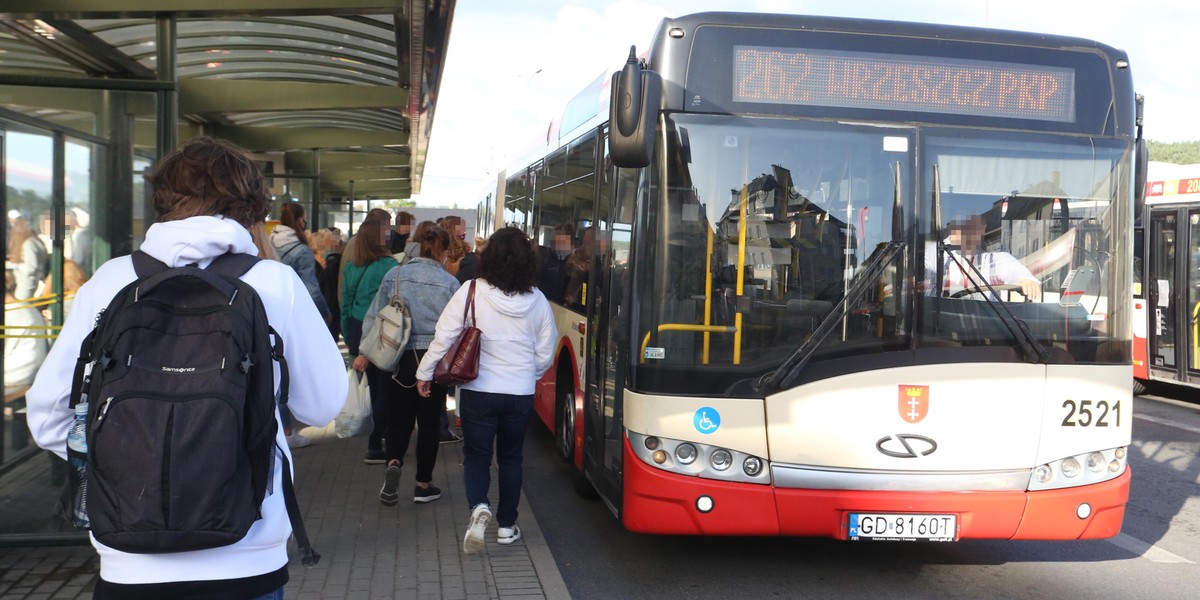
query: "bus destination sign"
901, 82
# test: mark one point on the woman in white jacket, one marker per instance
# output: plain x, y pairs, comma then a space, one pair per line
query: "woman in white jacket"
207, 195
519, 337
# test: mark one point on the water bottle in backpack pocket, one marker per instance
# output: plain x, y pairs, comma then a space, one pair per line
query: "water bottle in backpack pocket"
77, 473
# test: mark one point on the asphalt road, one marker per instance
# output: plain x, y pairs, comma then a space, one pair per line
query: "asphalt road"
1156, 555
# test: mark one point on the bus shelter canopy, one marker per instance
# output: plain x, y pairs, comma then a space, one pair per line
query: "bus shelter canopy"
340, 90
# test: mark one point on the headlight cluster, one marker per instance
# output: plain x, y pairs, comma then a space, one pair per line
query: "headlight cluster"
701, 460
1081, 469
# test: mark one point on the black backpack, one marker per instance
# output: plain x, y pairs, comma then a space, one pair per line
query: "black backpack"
181, 410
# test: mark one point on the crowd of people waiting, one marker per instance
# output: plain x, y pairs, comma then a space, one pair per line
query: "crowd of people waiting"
210, 199
430, 264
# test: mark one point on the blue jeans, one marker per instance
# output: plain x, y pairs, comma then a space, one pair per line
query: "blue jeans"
275, 595
502, 419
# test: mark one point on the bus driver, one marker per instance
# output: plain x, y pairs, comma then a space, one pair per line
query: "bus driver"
965, 245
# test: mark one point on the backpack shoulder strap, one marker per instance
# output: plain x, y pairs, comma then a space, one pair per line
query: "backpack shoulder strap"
228, 264
146, 266
308, 555
233, 265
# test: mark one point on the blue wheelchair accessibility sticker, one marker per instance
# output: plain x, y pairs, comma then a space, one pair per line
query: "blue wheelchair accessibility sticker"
706, 420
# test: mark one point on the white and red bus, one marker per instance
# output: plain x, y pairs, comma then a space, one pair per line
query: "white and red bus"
1166, 292
742, 242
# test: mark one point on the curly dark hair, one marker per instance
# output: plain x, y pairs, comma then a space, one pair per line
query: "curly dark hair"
434, 241
509, 262
208, 176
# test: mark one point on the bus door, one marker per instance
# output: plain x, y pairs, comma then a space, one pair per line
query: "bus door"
607, 340
1173, 283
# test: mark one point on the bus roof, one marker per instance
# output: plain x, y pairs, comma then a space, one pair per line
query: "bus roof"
892, 28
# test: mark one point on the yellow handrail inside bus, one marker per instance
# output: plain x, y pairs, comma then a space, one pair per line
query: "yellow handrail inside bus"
707, 294
1196, 336
684, 327
707, 328
741, 276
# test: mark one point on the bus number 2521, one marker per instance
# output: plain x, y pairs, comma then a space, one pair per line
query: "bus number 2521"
1091, 413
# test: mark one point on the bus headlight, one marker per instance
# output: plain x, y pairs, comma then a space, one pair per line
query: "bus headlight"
696, 459
685, 453
1070, 467
752, 466
1082, 469
1043, 474
720, 459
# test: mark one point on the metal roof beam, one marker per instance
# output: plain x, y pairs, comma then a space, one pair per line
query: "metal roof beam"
266, 139
358, 175
364, 188
248, 95
302, 162
78, 47
73, 99
192, 8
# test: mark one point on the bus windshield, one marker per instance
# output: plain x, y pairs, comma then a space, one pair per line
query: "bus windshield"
762, 231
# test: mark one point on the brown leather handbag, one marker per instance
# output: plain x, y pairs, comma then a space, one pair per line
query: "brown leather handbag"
460, 364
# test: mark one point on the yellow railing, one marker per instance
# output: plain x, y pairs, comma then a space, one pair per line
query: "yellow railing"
741, 276
36, 302
707, 329
1196, 336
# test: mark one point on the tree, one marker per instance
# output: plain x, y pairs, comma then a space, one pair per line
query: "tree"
1180, 153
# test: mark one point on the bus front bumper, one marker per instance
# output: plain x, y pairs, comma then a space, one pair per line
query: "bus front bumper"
656, 501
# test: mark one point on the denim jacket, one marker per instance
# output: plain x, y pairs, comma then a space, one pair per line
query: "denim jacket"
300, 259
426, 288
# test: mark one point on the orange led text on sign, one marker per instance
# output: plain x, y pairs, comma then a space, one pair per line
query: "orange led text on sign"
792, 76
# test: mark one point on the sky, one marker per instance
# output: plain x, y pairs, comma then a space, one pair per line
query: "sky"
511, 66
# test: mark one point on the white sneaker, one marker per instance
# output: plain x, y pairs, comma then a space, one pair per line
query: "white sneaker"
508, 535
473, 542
298, 441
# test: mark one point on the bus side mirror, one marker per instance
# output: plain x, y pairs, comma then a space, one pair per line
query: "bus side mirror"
633, 110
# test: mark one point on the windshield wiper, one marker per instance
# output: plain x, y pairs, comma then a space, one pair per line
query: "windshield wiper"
883, 256
1031, 348
867, 278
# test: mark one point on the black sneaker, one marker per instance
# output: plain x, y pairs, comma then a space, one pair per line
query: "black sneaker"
428, 494
374, 457
389, 494
449, 437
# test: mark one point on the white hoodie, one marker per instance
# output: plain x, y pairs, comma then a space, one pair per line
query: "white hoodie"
316, 394
519, 338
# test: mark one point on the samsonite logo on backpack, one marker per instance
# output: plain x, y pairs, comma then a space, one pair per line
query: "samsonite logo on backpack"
181, 422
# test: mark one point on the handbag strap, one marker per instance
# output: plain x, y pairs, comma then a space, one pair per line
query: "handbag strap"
470, 305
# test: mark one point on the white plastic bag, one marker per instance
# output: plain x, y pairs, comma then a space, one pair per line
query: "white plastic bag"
355, 418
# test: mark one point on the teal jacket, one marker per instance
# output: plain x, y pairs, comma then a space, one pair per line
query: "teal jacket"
359, 286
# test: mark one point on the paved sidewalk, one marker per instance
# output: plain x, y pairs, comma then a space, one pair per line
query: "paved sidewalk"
367, 550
